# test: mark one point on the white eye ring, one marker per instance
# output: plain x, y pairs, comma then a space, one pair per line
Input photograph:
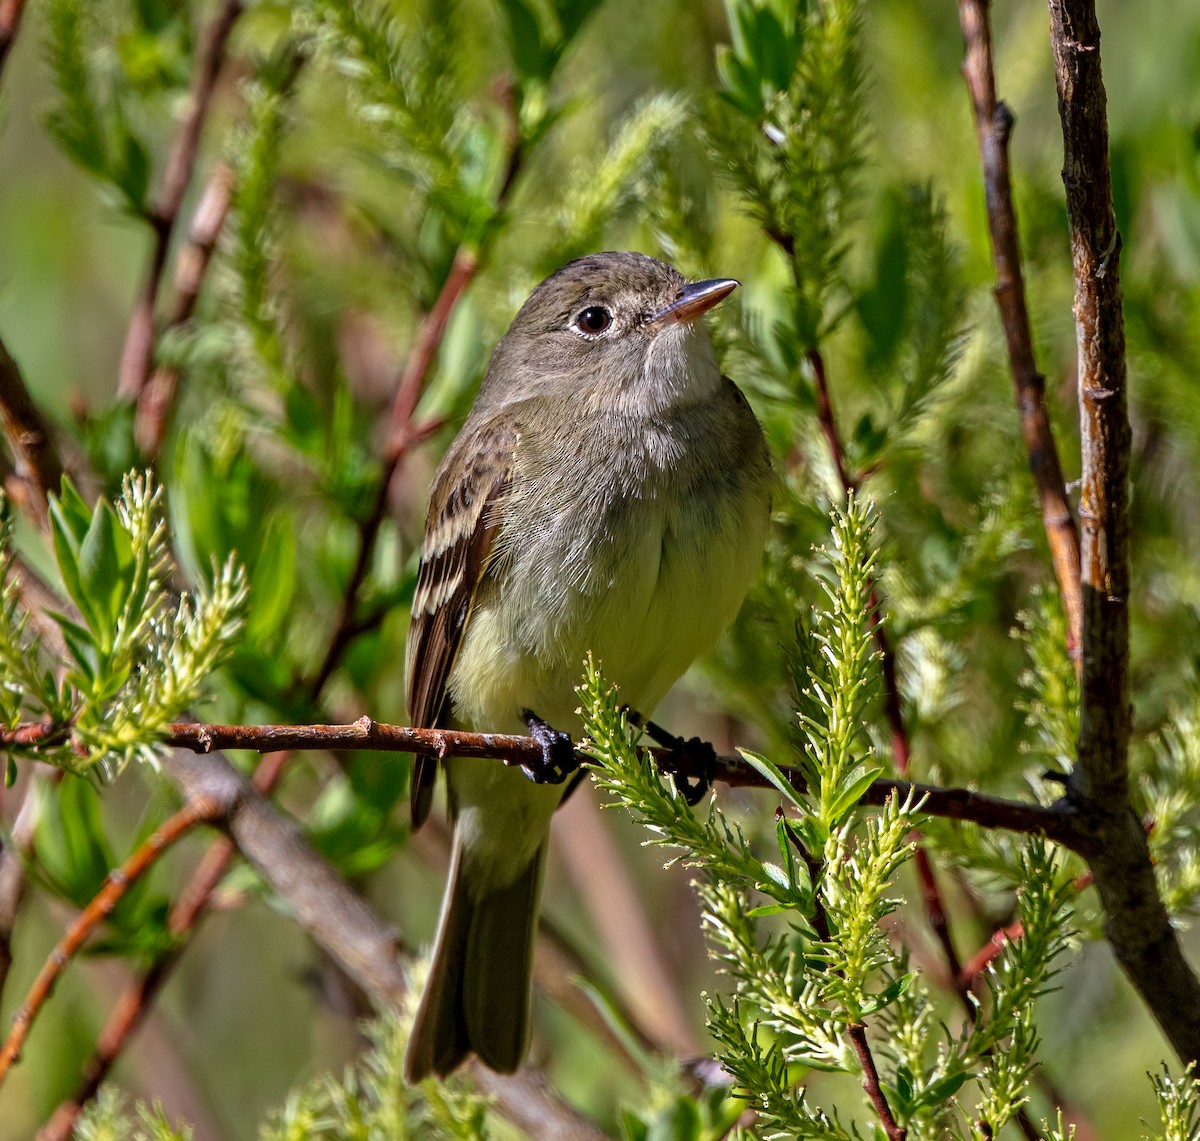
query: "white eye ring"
593, 321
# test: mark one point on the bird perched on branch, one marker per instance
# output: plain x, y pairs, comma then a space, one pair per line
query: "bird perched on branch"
609, 492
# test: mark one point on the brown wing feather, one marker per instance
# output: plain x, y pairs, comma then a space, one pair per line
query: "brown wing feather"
464, 516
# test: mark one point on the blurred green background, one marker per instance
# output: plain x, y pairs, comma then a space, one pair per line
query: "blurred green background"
252, 1011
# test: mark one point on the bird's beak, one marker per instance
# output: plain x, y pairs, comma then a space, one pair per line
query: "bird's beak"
695, 299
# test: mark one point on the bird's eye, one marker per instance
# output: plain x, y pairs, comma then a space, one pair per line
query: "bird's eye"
593, 320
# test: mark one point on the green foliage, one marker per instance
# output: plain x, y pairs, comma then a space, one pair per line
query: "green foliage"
136, 658
823, 155
1179, 1105
92, 121
1168, 787
788, 130
108, 1119
798, 995
370, 1102
808, 988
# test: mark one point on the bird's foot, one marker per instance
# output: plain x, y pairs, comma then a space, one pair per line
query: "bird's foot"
693, 763
558, 759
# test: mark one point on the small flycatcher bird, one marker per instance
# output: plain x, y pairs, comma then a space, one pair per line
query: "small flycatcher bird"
609, 492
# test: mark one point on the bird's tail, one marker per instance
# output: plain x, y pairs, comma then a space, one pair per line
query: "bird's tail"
476, 999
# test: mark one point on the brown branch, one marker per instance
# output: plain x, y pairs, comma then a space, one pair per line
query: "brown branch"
10, 23
197, 811
13, 856
1058, 822
825, 419
1137, 925
38, 470
157, 397
341, 923
870, 1082
993, 126
347, 625
138, 350
401, 438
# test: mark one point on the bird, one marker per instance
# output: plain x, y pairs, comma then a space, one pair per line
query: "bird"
609, 493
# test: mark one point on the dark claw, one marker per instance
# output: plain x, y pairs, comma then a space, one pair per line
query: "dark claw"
693, 764
558, 752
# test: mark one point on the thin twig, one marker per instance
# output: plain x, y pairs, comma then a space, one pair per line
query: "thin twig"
827, 422
1057, 822
118, 882
993, 126
857, 1031
870, 1082
38, 470
931, 892
157, 397
988, 953
134, 1003
13, 856
1137, 925
138, 350
402, 437
10, 23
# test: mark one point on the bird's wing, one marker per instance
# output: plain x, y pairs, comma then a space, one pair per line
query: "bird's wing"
464, 516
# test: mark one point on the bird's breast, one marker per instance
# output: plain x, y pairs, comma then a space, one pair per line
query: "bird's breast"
640, 554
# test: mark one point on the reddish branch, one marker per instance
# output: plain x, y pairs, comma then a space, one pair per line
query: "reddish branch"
988, 953
1057, 822
115, 886
37, 470
157, 397
10, 22
857, 1031
177, 175
1137, 924
870, 1082
993, 126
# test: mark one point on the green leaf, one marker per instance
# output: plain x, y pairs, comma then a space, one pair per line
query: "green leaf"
851, 791
798, 875
73, 854
66, 542
633, 1128
883, 304
80, 643
941, 1091
72, 509
572, 14
775, 775
100, 573
740, 88
888, 995
529, 56
769, 909
775, 56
